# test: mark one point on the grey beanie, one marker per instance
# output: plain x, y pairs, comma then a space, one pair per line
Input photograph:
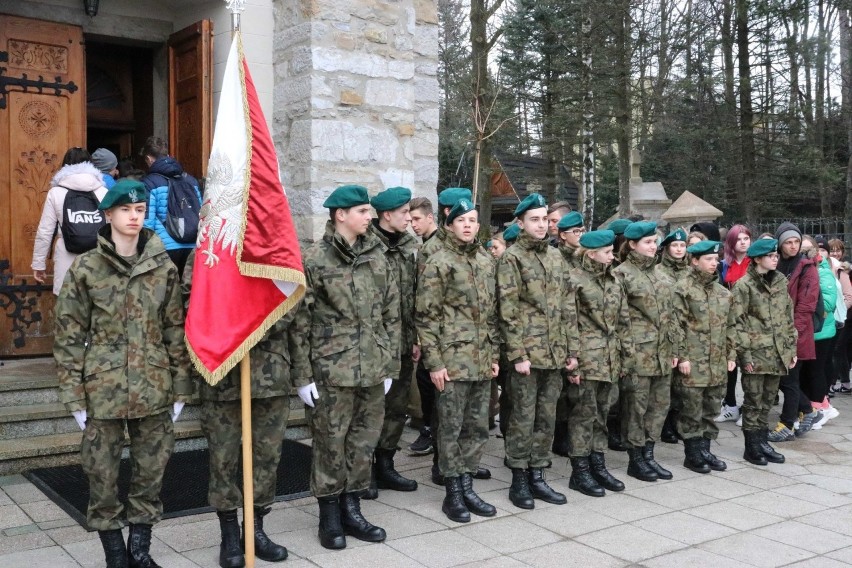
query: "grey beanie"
104, 160
786, 231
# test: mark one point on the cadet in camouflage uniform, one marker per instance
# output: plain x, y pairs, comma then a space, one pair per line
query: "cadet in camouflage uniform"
122, 362
400, 250
645, 393
221, 423
703, 348
345, 357
605, 346
765, 340
532, 283
457, 324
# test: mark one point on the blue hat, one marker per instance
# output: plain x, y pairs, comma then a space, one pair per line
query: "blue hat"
704, 247
451, 195
461, 207
762, 247
597, 239
124, 192
619, 225
391, 198
569, 221
640, 230
347, 196
676, 235
531, 201
511, 233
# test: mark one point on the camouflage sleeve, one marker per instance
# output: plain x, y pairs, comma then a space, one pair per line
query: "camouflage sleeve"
508, 288
791, 332
174, 339
739, 340
73, 318
428, 303
392, 321
186, 282
625, 333
300, 335
569, 319
680, 311
493, 319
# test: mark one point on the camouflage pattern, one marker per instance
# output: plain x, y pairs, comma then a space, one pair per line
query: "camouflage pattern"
671, 268
345, 426
759, 392
430, 247
645, 403
569, 255
463, 426
703, 336
221, 423
698, 407
762, 322
529, 435
119, 345
588, 407
152, 440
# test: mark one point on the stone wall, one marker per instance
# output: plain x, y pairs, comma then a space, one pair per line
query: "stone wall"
355, 99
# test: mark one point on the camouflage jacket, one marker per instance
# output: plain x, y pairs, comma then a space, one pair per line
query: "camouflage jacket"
672, 268
651, 322
348, 323
701, 308
269, 358
569, 256
430, 247
532, 284
762, 320
456, 312
119, 345
402, 257
602, 331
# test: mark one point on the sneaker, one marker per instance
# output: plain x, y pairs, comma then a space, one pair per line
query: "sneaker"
727, 414
845, 388
423, 445
807, 421
832, 413
740, 421
818, 424
780, 434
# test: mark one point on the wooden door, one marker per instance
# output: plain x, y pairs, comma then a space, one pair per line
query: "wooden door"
190, 96
42, 114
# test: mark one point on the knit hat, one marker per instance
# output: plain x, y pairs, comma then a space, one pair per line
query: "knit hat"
391, 198
104, 160
821, 242
786, 231
708, 229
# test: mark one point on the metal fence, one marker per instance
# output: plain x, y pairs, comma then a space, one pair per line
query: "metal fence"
830, 228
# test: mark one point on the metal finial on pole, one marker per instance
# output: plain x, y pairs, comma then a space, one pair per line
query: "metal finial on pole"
236, 8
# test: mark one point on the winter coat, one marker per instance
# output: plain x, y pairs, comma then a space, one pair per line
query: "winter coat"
569, 256
803, 287
157, 182
671, 268
79, 177
402, 256
830, 293
119, 344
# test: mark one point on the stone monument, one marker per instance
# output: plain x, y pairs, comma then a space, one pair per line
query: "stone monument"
648, 199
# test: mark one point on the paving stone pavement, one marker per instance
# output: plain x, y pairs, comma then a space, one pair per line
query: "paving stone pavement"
797, 514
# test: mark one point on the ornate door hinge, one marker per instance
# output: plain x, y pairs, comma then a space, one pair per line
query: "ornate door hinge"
25, 84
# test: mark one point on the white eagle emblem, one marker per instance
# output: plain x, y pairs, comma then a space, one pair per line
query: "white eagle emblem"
220, 216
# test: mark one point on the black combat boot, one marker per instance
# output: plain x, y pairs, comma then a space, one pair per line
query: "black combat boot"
330, 530
693, 460
648, 454
474, 502
715, 463
669, 434
372, 492
581, 478
597, 463
638, 467
387, 477
454, 503
354, 523
541, 490
139, 547
519, 492
437, 478
230, 552
561, 444
264, 548
482, 473
753, 454
769, 451
115, 551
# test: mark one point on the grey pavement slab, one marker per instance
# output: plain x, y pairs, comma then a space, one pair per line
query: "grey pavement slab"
756, 550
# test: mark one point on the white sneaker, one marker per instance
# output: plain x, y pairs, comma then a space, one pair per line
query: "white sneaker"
740, 421
832, 413
819, 424
727, 413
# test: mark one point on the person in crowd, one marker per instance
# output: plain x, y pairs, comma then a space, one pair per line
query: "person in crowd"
126, 288
837, 251
555, 213
345, 359
570, 228
694, 237
708, 229
127, 170
496, 246
456, 319
511, 234
618, 226
107, 163
77, 174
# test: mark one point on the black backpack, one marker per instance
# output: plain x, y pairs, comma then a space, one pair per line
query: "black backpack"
182, 214
81, 221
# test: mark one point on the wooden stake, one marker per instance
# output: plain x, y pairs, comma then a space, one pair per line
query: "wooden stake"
248, 472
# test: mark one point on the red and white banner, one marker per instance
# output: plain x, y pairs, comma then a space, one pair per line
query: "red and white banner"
248, 268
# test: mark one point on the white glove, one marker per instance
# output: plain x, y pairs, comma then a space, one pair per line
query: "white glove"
80, 417
308, 394
388, 383
178, 408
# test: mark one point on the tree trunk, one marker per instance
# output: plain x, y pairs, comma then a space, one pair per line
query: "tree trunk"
736, 175
846, 93
624, 116
587, 193
747, 151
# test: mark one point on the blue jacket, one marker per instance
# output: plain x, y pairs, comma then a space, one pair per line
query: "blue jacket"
109, 181
158, 200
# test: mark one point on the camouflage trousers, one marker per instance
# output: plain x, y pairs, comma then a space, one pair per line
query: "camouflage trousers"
698, 407
588, 406
759, 391
345, 425
462, 426
152, 440
396, 406
529, 436
221, 423
645, 403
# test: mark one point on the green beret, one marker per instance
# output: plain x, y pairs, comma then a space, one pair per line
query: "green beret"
640, 230
347, 196
597, 239
124, 192
676, 235
531, 201
510, 234
569, 221
461, 207
489, 244
704, 247
451, 195
391, 198
619, 225
762, 247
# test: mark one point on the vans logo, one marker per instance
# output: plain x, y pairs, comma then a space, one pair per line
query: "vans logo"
84, 216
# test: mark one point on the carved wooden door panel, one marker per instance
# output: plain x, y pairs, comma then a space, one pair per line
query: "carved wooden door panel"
42, 114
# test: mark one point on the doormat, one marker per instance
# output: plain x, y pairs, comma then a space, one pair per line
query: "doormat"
184, 482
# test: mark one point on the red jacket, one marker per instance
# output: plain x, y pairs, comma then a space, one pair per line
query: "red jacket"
803, 287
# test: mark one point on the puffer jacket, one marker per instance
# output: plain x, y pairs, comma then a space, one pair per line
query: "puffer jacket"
157, 182
830, 293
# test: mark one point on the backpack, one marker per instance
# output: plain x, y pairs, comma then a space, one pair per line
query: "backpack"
182, 213
81, 221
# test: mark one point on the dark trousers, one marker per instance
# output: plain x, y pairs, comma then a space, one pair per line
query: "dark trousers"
795, 401
427, 395
731, 389
841, 354
179, 257
815, 374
